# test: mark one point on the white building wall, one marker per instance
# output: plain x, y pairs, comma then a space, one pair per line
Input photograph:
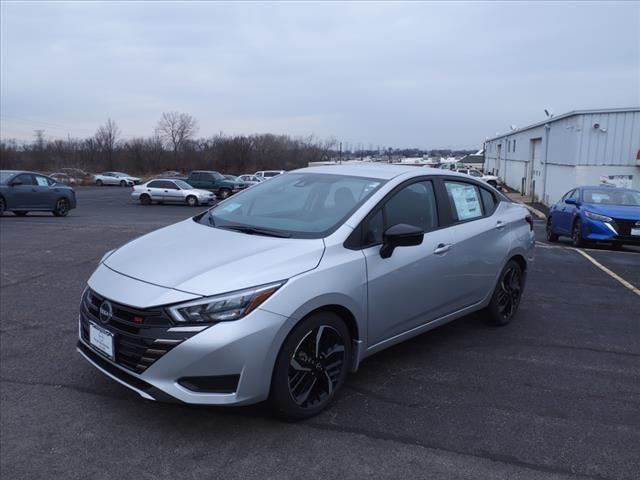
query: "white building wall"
576, 153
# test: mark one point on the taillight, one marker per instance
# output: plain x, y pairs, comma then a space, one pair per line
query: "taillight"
529, 220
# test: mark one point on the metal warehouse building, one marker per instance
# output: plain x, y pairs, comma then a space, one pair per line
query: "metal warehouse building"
585, 147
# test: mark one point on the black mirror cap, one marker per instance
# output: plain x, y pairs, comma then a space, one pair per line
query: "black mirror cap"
400, 235
571, 201
15, 183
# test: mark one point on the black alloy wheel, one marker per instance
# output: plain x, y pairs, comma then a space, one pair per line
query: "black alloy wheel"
3, 206
123, 183
576, 234
62, 208
551, 237
311, 367
507, 295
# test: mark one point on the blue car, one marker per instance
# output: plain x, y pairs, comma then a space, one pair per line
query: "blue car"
596, 214
23, 192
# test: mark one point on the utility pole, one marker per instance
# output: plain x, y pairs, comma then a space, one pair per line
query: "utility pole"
340, 153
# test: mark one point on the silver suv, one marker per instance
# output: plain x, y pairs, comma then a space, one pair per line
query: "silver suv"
280, 291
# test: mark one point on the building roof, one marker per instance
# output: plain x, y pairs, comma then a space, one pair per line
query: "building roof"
565, 115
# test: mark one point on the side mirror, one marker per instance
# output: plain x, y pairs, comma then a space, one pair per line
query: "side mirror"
15, 183
401, 235
571, 201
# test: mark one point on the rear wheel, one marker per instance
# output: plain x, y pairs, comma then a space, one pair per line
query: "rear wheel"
506, 297
145, 199
20, 213
576, 234
551, 237
311, 367
192, 201
123, 183
224, 193
99, 183
3, 206
62, 208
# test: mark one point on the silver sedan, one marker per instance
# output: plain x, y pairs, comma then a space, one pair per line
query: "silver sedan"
164, 190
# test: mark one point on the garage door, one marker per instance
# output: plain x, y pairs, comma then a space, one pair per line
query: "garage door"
535, 169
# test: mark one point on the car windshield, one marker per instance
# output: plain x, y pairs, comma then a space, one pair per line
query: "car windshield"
183, 185
5, 176
299, 205
610, 196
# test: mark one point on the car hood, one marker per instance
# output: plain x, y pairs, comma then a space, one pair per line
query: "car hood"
615, 211
202, 260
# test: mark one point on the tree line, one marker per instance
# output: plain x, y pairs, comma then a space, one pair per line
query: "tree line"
173, 145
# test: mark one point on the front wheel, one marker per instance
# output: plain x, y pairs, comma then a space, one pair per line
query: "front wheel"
576, 235
62, 208
311, 367
224, 193
3, 206
145, 199
192, 201
506, 297
551, 237
99, 183
123, 183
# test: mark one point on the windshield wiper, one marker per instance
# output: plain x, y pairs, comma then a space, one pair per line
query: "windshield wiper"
256, 231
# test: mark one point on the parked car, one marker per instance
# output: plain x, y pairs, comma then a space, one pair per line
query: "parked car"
63, 178
214, 182
280, 292
596, 214
170, 190
266, 174
169, 173
249, 179
492, 180
22, 192
115, 178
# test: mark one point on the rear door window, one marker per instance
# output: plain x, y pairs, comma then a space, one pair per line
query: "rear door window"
154, 184
25, 179
488, 201
465, 201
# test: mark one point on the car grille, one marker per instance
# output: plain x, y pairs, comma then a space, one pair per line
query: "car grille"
137, 345
623, 227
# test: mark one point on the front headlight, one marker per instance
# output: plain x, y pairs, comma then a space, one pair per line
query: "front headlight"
597, 216
223, 308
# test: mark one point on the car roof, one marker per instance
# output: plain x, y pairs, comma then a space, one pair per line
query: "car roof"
606, 187
380, 171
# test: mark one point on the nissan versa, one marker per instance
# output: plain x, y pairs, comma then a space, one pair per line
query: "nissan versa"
279, 291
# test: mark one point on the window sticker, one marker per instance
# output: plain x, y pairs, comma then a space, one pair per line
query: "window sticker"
466, 201
42, 182
230, 207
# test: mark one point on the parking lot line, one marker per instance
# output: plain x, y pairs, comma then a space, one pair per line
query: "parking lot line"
607, 271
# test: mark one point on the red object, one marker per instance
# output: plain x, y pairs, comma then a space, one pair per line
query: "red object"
638, 155
529, 220
138, 319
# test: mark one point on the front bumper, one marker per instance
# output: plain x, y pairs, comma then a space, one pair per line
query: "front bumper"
613, 232
244, 349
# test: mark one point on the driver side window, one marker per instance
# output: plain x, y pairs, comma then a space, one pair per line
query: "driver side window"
414, 205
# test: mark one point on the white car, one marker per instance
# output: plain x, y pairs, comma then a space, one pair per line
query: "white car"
490, 179
267, 174
166, 190
249, 179
115, 178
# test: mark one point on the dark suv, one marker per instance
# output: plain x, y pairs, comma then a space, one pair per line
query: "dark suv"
214, 182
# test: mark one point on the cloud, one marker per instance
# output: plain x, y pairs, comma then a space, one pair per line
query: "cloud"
392, 74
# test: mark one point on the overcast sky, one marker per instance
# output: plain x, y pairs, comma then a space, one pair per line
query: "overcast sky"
382, 74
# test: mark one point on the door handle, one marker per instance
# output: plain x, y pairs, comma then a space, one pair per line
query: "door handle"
166, 191
500, 224
442, 248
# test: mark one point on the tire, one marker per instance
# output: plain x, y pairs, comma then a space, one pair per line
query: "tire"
145, 199
551, 237
99, 183
123, 183
192, 201
20, 213
307, 378
224, 193
507, 295
62, 208
3, 206
576, 234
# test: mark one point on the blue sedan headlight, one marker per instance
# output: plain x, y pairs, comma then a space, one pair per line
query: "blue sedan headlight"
597, 216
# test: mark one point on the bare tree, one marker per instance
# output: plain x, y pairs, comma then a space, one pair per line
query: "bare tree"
177, 129
107, 137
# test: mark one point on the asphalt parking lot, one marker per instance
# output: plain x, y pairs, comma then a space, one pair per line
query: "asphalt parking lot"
556, 394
